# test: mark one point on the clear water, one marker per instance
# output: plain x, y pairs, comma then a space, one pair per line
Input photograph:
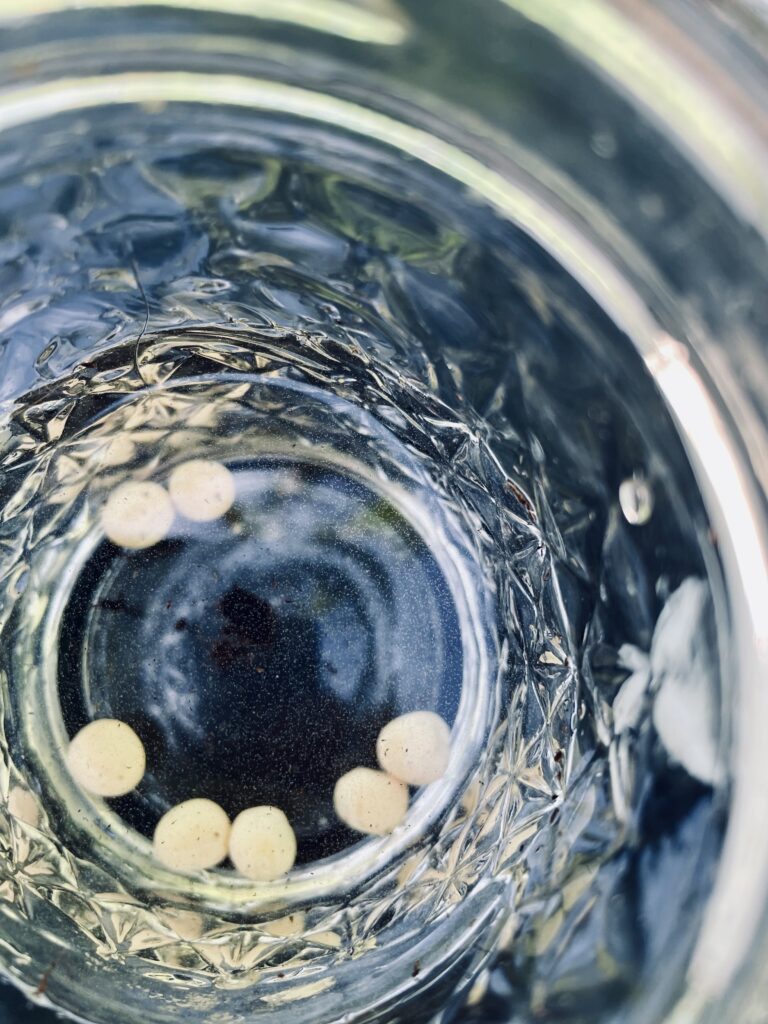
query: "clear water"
430, 424
259, 656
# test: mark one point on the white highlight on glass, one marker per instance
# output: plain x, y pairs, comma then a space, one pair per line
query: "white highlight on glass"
187, 924
107, 758
732, 499
119, 450
415, 747
285, 927
370, 801
23, 805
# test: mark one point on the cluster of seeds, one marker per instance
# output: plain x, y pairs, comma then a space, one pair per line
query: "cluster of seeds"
412, 750
108, 759
139, 513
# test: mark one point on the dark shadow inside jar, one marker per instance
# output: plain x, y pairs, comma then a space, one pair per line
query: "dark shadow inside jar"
258, 658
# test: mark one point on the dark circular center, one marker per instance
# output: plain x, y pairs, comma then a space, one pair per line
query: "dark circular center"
259, 656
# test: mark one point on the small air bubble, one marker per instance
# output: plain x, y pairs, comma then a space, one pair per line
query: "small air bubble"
636, 500
603, 144
46, 354
652, 206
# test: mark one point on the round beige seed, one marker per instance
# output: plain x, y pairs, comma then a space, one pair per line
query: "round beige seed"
370, 801
192, 836
262, 845
107, 758
202, 490
415, 747
137, 514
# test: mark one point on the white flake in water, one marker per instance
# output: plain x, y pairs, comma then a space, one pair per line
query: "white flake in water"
415, 747
137, 514
680, 672
636, 500
262, 844
192, 836
370, 801
202, 490
107, 758
629, 701
685, 710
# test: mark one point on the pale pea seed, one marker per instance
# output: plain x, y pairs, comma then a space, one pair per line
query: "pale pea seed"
415, 747
137, 514
192, 836
370, 801
107, 758
23, 805
202, 490
262, 845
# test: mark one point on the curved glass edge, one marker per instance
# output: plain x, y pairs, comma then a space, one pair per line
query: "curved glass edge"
745, 146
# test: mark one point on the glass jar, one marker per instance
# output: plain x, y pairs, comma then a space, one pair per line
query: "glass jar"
522, 245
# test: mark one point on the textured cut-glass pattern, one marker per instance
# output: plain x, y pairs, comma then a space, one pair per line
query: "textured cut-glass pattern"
178, 275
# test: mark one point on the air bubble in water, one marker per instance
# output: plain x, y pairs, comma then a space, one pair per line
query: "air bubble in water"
636, 500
